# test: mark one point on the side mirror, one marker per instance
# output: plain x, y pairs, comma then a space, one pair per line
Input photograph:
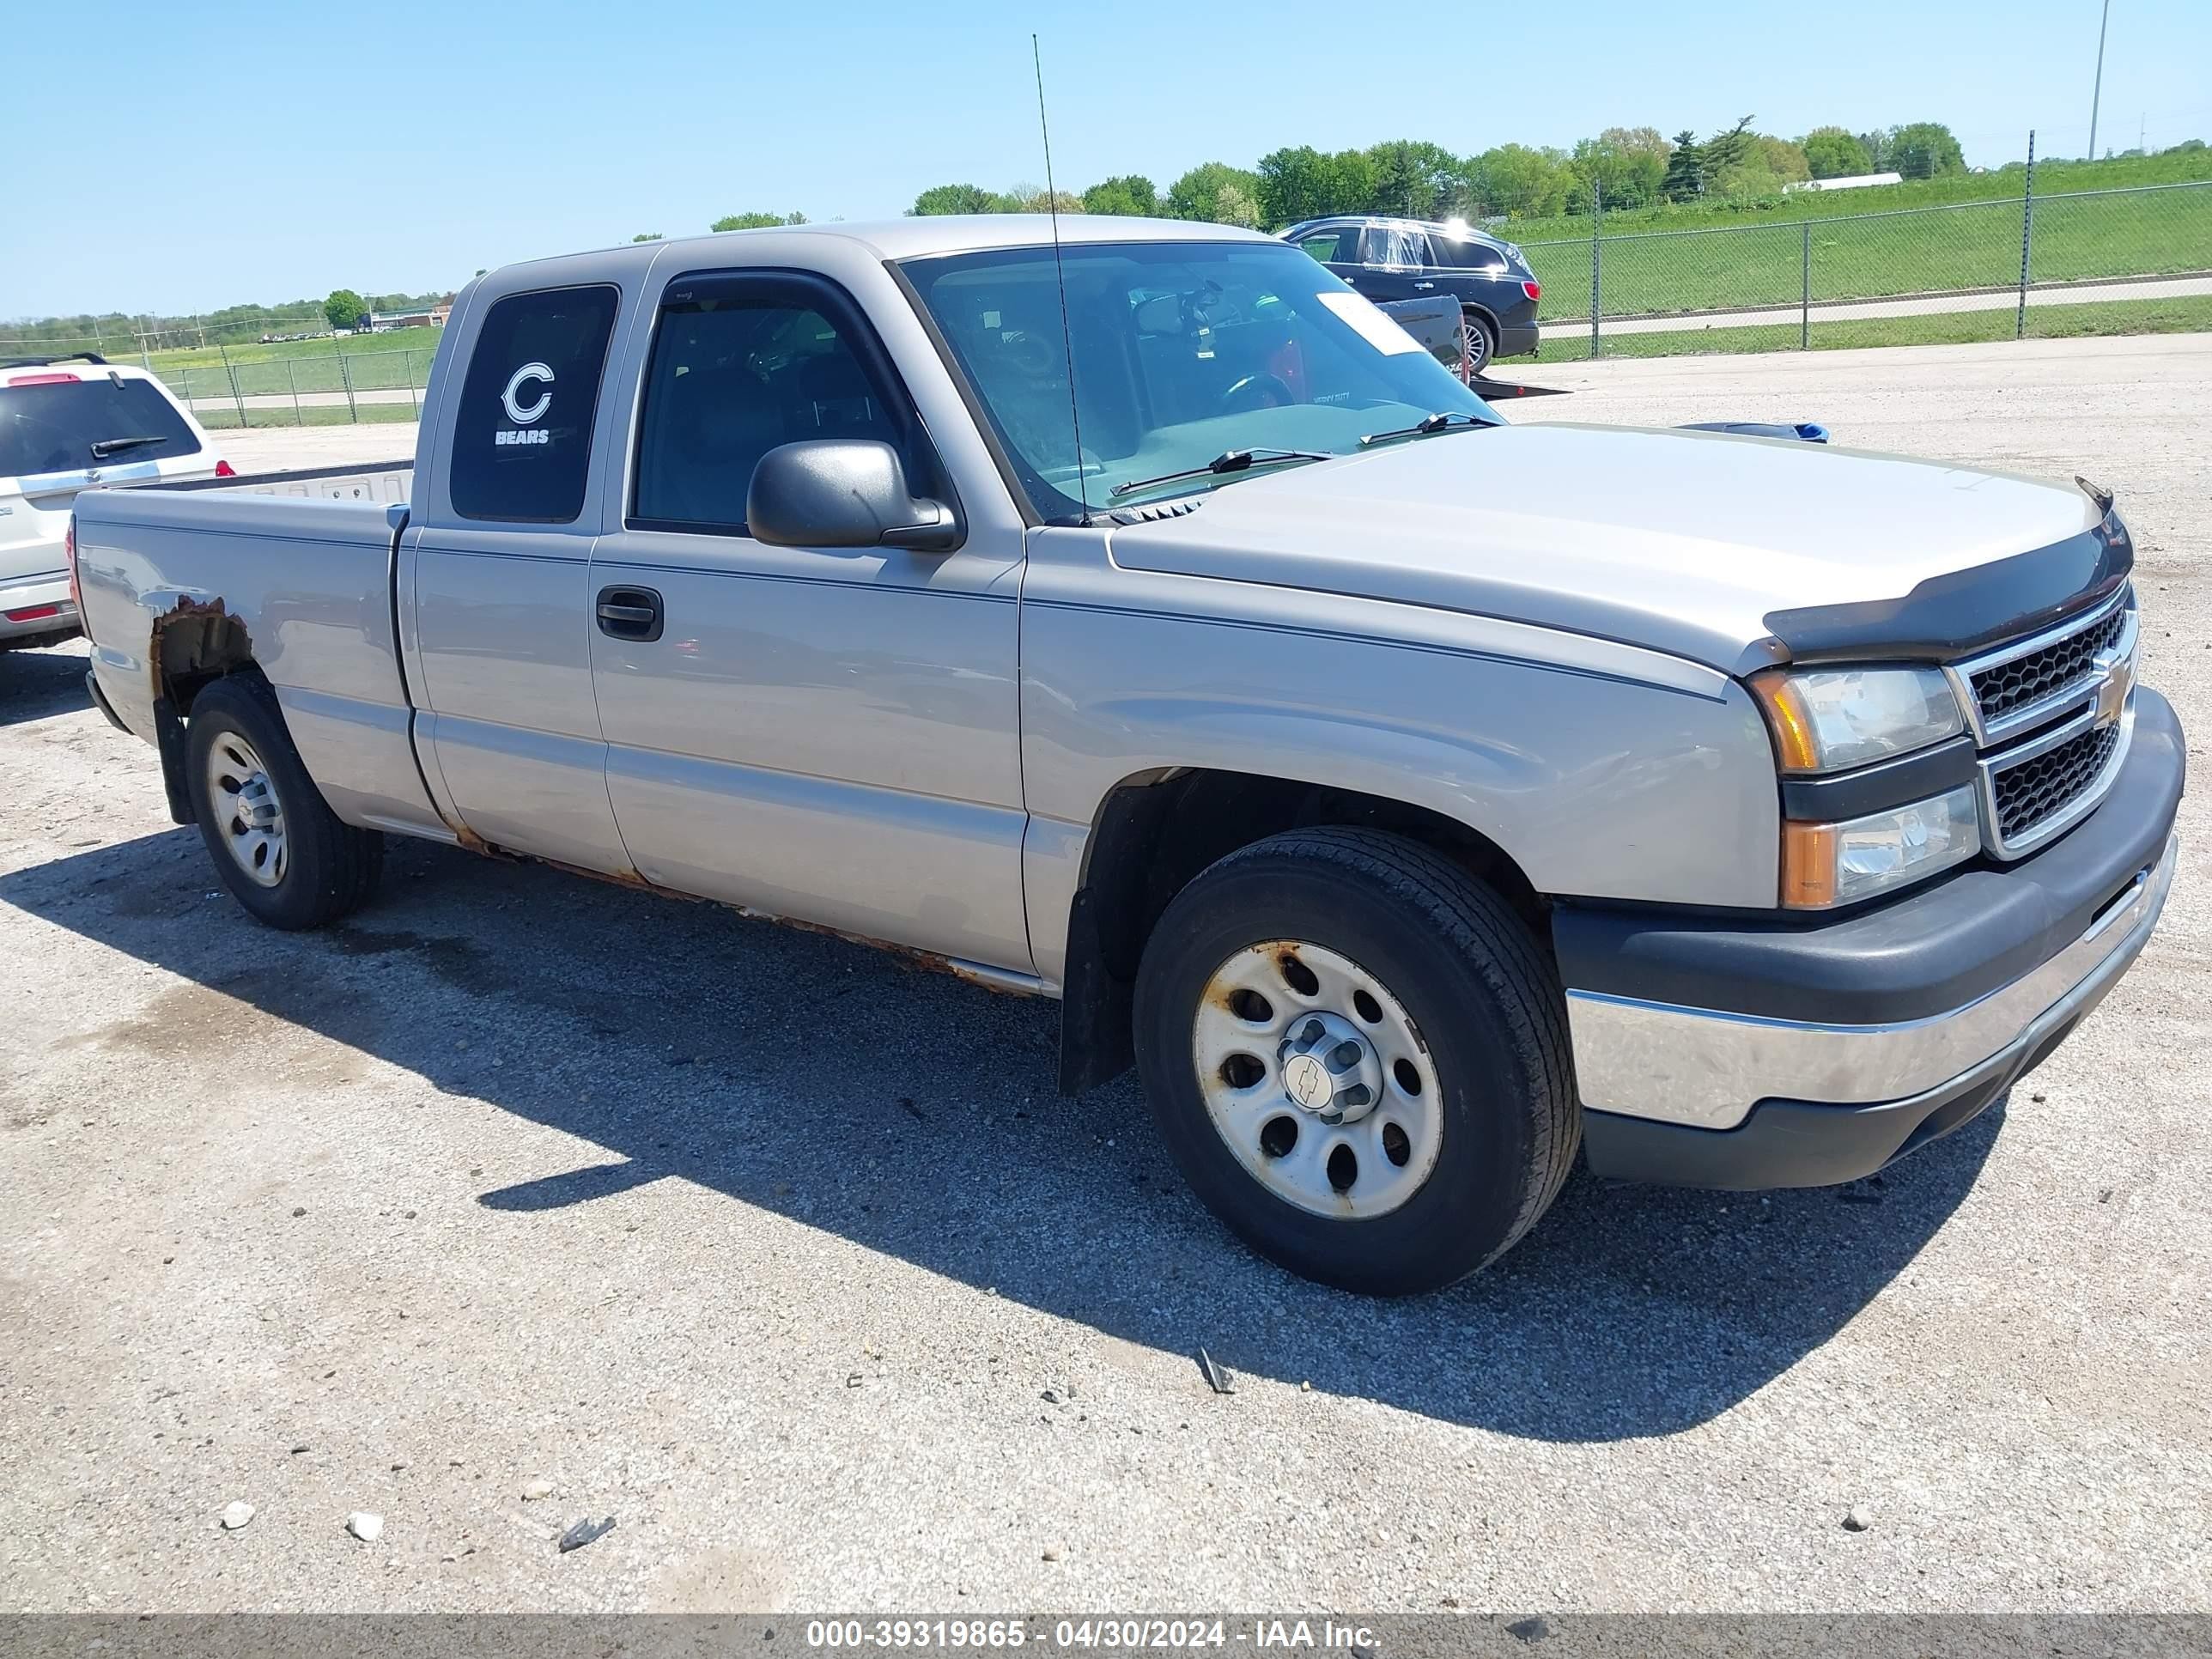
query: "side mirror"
843, 492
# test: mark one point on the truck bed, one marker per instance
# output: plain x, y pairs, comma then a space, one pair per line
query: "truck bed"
180, 582
388, 481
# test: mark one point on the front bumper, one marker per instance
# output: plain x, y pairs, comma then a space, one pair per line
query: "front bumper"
1812, 1054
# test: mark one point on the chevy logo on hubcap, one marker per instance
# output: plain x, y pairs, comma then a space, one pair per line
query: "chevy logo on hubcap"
1306, 1080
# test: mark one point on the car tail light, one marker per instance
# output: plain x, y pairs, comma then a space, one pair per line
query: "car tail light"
1533, 290
32, 613
40, 379
68, 557
225, 470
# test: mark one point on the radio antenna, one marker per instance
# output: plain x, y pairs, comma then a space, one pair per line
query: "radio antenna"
1060, 273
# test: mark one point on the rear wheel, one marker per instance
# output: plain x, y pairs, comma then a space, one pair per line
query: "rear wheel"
275, 843
1359, 1057
1478, 345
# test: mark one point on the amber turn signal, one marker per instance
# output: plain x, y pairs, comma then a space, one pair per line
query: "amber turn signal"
1793, 734
1809, 865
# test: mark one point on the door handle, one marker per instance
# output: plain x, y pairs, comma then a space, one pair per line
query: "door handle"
630, 613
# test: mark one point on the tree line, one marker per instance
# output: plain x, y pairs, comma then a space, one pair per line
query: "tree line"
1622, 167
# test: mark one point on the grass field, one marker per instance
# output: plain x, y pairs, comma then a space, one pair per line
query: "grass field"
419, 340
1921, 250
2187, 314
218, 419
282, 370
373, 363
1999, 184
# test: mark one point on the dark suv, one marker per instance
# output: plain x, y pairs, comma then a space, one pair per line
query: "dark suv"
1390, 259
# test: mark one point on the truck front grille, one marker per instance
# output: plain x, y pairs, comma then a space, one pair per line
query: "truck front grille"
2009, 687
2032, 793
2049, 714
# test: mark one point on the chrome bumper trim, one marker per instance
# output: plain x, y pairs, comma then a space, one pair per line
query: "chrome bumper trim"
1708, 1068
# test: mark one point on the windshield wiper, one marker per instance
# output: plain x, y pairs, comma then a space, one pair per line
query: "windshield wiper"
1444, 419
107, 447
1229, 460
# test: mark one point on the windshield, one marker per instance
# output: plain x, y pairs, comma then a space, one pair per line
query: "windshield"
51, 426
1184, 351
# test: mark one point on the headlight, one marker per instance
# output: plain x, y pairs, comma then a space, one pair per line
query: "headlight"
1831, 864
1826, 720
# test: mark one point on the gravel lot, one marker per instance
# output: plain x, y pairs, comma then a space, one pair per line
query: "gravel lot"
791, 1261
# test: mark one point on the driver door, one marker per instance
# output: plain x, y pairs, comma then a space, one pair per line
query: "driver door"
829, 735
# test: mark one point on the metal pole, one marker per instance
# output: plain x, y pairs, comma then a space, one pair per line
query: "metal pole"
1805, 306
2097, 93
233, 373
353, 410
293, 380
413, 401
1597, 262
2027, 239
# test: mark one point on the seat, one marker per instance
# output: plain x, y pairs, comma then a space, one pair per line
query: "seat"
836, 395
719, 422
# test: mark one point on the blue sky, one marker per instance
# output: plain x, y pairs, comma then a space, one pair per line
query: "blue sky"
254, 157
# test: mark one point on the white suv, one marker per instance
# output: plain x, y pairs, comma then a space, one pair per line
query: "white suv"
67, 423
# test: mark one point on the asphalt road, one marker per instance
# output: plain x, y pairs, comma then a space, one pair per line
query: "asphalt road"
790, 1260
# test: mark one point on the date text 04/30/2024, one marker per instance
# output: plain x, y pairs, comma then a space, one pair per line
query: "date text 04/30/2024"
1109, 1633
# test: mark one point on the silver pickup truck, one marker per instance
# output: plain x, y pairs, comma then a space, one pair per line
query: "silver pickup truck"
1150, 623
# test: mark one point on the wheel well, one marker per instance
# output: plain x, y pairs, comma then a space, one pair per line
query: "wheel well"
194, 644
1489, 317
1154, 834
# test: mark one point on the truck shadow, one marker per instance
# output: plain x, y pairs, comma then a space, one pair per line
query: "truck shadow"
35, 685
915, 1115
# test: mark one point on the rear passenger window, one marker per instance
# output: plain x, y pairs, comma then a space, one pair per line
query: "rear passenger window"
522, 443
736, 372
1470, 256
1397, 247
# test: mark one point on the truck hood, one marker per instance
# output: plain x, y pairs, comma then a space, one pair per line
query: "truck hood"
1700, 544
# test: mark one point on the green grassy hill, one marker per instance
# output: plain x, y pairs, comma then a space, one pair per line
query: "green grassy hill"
1856, 248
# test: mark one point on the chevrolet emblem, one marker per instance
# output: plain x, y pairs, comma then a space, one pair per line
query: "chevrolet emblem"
2113, 692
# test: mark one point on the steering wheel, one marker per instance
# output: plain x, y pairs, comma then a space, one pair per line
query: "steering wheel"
1029, 354
1257, 391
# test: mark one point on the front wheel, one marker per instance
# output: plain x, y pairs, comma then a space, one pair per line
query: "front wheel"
277, 846
1359, 1057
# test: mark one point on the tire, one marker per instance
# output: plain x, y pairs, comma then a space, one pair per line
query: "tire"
1469, 1005
295, 865
1479, 344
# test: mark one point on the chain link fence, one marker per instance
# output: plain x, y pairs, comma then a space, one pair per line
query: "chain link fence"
326, 388
1879, 278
